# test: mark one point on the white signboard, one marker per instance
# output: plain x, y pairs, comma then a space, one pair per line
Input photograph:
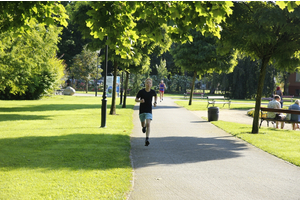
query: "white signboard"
109, 83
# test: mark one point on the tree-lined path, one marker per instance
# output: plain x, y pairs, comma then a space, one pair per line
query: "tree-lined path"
189, 158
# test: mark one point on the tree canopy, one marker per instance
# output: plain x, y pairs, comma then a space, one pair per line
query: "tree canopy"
28, 66
119, 21
264, 31
17, 14
200, 57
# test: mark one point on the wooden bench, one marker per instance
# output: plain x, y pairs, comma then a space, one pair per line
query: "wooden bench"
262, 109
59, 92
215, 100
287, 98
284, 98
188, 93
267, 99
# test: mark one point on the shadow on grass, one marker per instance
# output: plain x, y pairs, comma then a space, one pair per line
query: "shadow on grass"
58, 107
179, 150
76, 151
15, 117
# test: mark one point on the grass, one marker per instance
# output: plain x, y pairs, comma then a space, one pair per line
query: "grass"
54, 149
281, 143
202, 105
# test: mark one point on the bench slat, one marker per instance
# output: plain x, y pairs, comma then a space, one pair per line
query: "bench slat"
297, 112
213, 100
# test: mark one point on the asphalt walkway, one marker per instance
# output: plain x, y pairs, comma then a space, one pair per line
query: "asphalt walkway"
189, 158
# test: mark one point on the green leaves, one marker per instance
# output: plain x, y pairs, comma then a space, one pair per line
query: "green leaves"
127, 22
291, 5
85, 65
16, 14
27, 64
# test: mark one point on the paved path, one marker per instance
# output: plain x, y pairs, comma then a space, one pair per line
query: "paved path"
189, 158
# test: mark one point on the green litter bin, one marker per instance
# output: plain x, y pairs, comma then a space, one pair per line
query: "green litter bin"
213, 114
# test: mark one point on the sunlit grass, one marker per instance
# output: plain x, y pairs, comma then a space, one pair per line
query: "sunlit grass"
281, 143
202, 105
54, 148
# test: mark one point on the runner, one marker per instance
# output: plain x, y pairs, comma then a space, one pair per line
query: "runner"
162, 88
145, 97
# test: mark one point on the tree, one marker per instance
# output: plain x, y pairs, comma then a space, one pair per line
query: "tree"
200, 57
130, 22
243, 80
72, 41
28, 66
85, 66
118, 20
263, 31
15, 15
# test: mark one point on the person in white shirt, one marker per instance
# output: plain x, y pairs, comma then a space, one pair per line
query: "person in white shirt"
275, 103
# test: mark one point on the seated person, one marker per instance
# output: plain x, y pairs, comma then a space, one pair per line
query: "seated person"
295, 117
275, 103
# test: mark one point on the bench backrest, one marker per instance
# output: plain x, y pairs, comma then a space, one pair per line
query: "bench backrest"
288, 96
297, 112
215, 97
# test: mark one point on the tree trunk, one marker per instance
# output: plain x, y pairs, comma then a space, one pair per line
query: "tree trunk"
125, 90
286, 76
193, 87
113, 99
86, 86
262, 74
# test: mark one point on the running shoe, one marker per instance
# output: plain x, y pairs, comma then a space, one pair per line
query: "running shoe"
144, 129
147, 143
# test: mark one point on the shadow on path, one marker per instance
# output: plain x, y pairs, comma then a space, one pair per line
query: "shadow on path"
178, 150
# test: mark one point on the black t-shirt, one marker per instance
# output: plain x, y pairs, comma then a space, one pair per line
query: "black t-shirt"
146, 107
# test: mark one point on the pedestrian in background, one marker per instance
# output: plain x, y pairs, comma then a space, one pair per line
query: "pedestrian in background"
279, 93
162, 87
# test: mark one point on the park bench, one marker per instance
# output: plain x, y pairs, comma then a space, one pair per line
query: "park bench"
264, 109
188, 93
284, 98
288, 98
218, 100
59, 92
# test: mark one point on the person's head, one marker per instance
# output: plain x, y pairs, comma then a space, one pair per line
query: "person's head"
277, 97
148, 83
278, 88
162, 81
297, 101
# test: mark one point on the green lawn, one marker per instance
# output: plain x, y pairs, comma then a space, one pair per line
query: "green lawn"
54, 148
202, 105
281, 143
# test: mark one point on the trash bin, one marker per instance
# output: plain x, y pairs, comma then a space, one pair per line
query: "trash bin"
213, 114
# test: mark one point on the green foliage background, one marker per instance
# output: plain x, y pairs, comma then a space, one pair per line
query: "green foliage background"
28, 66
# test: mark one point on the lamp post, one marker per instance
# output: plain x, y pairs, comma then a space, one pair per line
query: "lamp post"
104, 100
121, 89
98, 66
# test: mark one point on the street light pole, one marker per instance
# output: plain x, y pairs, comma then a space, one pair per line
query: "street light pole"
121, 89
96, 86
104, 100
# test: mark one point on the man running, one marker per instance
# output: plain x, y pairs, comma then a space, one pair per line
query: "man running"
145, 97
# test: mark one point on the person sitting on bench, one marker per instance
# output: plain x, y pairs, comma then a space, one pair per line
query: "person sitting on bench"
295, 117
275, 103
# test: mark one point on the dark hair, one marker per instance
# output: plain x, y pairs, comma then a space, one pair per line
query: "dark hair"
276, 96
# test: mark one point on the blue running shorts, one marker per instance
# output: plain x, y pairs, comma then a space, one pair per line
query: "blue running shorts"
145, 116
